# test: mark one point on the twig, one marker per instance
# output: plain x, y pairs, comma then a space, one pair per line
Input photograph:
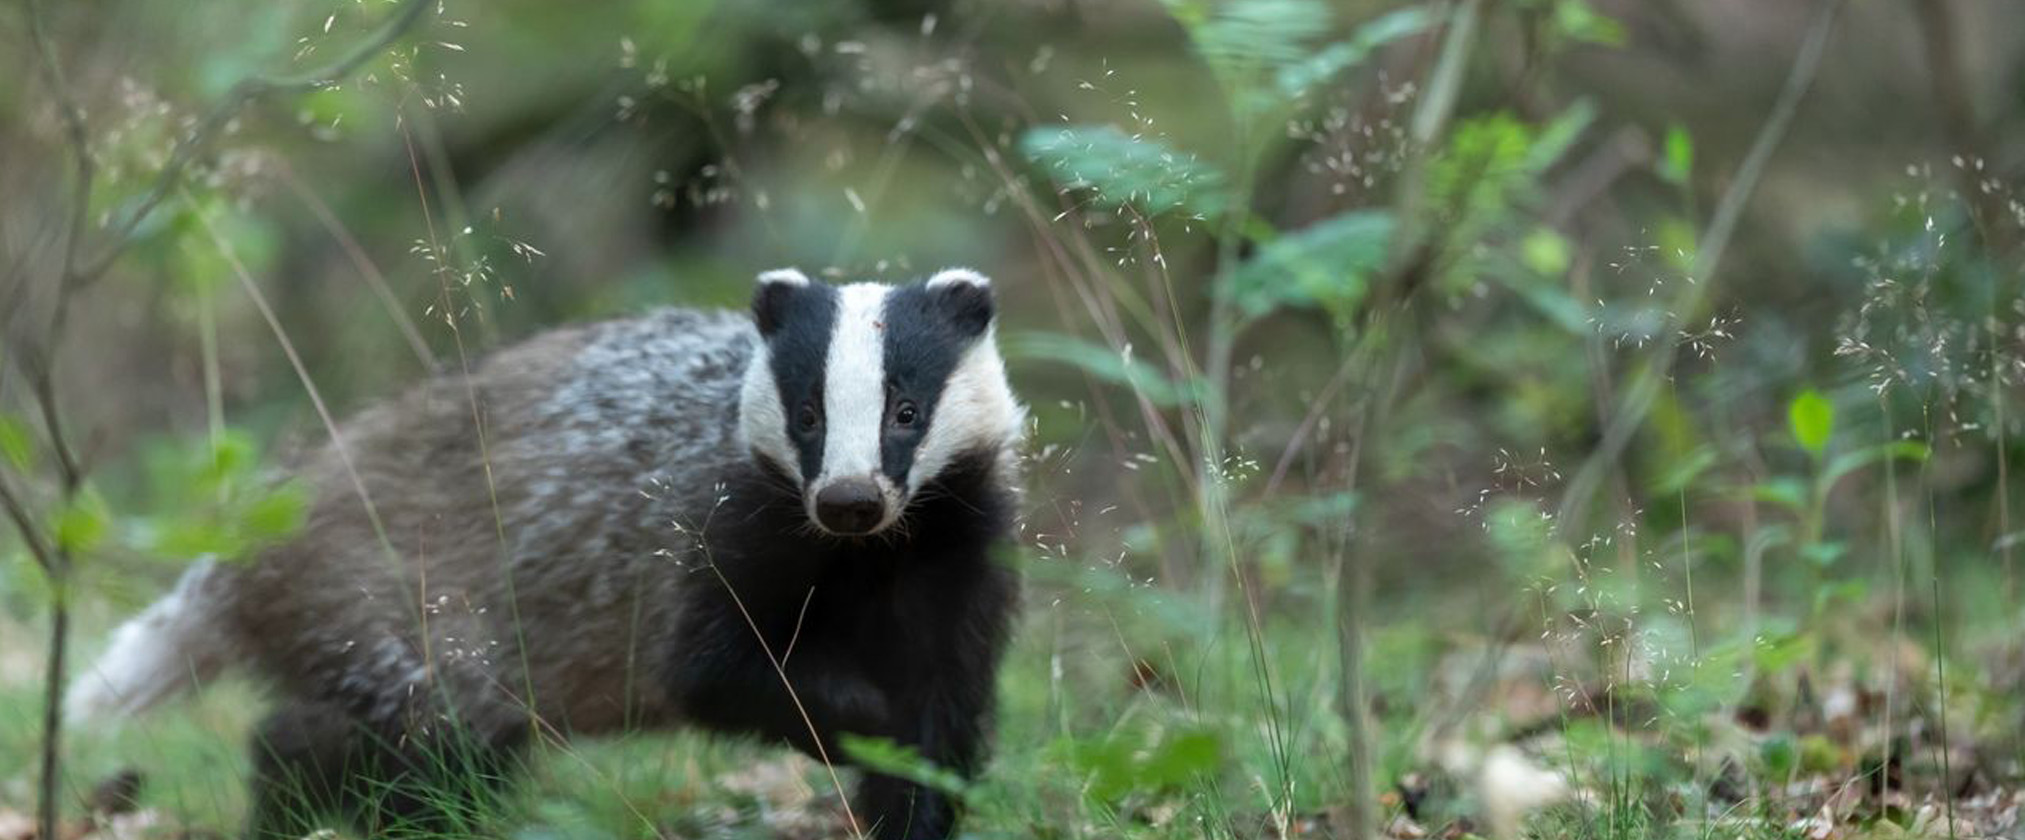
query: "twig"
50, 551
186, 150
74, 128
40, 366
1353, 596
25, 524
1392, 298
74, 275
1299, 439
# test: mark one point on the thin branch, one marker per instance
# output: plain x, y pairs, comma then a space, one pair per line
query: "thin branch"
31, 535
186, 150
53, 556
73, 127
41, 367
73, 276
1638, 398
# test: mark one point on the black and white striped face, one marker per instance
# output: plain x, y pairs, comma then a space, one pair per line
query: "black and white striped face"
865, 393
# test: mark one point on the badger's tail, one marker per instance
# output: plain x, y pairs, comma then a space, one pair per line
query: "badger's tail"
172, 646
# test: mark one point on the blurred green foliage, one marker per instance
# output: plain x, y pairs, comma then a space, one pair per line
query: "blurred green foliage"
1298, 310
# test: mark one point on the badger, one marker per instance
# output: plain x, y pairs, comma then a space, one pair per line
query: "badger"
787, 526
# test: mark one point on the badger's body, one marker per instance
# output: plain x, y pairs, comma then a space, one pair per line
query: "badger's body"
666, 520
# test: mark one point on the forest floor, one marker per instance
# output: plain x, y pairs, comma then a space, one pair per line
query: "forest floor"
1834, 733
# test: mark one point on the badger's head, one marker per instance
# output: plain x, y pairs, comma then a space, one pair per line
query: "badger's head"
864, 394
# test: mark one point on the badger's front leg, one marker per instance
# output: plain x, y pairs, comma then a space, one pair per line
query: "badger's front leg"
728, 681
943, 693
947, 728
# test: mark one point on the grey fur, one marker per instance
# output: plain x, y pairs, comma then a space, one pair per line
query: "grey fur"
522, 551
596, 439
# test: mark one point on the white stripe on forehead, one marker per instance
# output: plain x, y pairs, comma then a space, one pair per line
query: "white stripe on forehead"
854, 384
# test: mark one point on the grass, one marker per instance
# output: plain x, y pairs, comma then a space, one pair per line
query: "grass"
1121, 717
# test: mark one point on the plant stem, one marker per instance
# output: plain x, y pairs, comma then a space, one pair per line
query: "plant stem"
75, 273
52, 705
1353, 609
1941, 687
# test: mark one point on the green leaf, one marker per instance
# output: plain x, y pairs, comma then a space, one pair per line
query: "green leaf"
1558, 136
1251, 44
1824, 554
1182, 756
198, 265
81, 526
214, 500
1545, 252
1818, 754
1247, 34
1483, 155
16, 444
231, 457
1117, 170
1779, 756
184, 539
1682, 473
1679, 160
1785, 491
1777, 652
1812, 418
1491, 165
1298, 78
1577, 20
883, 755
275, 516
1845, 593
1102, 362
1326, 264
1551, 299
1898, 450
1141, 761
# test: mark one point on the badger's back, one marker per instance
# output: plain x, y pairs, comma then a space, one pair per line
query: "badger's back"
520, 527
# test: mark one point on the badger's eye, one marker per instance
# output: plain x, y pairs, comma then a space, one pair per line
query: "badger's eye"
904, 414
807, 417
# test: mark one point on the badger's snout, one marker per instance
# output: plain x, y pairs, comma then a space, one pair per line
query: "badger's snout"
850, 506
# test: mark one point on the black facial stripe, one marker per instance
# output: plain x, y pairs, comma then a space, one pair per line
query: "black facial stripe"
802, 318
924, 340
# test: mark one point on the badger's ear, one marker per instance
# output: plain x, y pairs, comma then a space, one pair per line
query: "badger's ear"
963, 296
770, 297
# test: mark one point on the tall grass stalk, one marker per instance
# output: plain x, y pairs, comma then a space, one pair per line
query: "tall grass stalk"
1353, 608
440, 258
1895, 549
1687, 564
1947, 791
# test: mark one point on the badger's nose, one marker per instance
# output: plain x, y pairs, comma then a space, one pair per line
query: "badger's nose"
850, 506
